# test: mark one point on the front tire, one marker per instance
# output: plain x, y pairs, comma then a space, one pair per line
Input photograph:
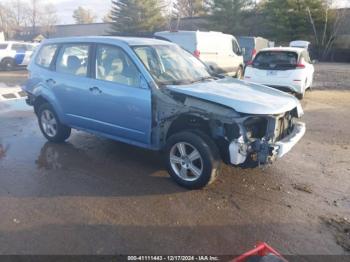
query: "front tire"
50, 125
192, 159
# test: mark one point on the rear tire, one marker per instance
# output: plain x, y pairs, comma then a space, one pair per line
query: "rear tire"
192, 159
8, 64
50, 125
239, 73
301, 95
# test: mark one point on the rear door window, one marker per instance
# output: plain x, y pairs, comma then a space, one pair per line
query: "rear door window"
276, 60
45, 55
73, 59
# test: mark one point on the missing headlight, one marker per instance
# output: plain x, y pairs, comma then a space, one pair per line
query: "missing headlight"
255, 127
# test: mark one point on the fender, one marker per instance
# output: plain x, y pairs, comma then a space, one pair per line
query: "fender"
42, 91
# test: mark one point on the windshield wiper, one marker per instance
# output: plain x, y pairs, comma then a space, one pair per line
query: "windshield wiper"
202, 79
173, 82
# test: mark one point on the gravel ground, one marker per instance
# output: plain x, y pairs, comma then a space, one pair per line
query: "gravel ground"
95, 196
332, 76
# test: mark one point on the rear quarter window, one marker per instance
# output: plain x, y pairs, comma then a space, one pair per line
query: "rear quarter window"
3, 46
45, 55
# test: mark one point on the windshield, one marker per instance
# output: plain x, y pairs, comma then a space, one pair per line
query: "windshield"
171, 65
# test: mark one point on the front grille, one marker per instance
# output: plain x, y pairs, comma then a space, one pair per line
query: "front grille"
284, 126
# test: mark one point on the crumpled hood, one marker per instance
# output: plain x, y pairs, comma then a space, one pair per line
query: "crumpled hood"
241, 96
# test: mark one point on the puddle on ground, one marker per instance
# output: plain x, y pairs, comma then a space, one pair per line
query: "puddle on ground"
14, 105
9, 84
3, 150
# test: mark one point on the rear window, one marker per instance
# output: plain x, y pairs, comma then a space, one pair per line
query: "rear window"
19, 47
3, 46
45, 55
276, 60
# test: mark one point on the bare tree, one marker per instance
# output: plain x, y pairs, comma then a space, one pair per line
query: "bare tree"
35, 13
190, 8
48, 20
82, 15
6, 20
107, 18
19, 12
334, 20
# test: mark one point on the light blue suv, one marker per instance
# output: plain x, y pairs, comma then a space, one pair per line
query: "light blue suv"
153, 94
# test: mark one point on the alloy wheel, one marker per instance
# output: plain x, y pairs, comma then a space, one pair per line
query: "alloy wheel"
49, 123
186, 161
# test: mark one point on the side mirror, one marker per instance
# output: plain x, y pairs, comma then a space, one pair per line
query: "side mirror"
243, 50
314, 61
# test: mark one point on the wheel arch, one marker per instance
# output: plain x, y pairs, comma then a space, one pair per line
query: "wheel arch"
188, 121
7, 57
42, 99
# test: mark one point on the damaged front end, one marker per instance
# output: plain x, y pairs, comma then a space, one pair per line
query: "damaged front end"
243, 139
265, 138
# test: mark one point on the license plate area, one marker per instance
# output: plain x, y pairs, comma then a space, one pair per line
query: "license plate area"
271, 73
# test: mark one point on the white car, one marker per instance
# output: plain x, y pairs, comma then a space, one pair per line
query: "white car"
286, 68
221, 52
14, 54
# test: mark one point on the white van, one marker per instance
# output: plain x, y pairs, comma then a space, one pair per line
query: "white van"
221, 52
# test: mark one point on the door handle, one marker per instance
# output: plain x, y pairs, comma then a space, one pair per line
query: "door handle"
50, 81
95, 90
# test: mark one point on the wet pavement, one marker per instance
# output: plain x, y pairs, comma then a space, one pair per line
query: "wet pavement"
96, 196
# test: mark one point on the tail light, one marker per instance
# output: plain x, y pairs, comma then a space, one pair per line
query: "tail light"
253, 53
300, 66
197, 53
249, 63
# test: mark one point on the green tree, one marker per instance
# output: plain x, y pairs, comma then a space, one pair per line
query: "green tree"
289, 19
190, 8
227, 15
136, 16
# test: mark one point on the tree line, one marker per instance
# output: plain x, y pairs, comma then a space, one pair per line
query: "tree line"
17, 14
278, 20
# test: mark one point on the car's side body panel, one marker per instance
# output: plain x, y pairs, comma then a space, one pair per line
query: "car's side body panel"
146, 115
117, 111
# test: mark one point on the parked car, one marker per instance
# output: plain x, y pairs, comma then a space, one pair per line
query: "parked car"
155, 95
221, 52
14, 54
286, 68
251, 45
304, 45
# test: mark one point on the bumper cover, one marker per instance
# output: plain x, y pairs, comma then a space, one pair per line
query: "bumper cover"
285, 145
